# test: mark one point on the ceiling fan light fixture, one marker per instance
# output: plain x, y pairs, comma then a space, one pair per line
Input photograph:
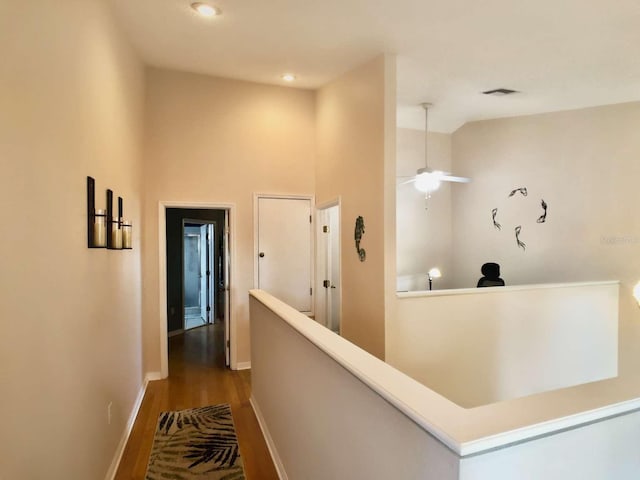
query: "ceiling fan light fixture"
205, 10
427, 182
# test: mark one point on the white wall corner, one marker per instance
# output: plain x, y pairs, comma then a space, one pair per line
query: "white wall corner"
152, 377
390, 129
282, 474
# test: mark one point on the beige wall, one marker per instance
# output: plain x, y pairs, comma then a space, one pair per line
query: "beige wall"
352, 157
423, 226
217, 140
486, 345
584, 163
71, 92
344, 418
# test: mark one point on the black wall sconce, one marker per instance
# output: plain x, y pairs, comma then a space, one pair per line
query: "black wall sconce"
104, 229
114, 232
96, 219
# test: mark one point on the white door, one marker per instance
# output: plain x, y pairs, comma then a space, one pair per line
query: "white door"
328, 268
284, 250
333, 262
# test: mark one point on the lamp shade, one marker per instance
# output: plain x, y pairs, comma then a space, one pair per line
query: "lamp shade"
636, 292
435, 273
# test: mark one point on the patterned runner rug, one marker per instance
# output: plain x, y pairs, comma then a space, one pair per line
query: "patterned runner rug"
199, 443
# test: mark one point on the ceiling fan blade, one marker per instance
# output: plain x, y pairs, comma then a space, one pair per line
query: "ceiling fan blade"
408, 181
450, 178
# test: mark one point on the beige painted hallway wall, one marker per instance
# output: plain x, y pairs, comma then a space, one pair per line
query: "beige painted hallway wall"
220, 141
71, 96
353, 119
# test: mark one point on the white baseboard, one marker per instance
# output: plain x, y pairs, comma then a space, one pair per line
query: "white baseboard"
282, 475
243, 366
113, 468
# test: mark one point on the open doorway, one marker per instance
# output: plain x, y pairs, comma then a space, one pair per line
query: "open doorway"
197, 278
200, 272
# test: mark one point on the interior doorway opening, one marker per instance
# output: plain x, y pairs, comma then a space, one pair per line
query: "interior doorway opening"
200, 273
198, 278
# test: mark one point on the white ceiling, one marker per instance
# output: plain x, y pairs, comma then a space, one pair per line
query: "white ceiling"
560, 54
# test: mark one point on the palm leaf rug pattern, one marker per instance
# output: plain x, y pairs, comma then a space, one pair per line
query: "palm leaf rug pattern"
199, 443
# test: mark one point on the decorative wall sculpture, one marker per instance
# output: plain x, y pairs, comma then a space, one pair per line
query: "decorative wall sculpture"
522, 190
518, 229
358, 236
494, 214
543, 218
520, 243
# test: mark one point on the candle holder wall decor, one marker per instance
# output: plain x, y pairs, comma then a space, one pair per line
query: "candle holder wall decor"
96, 219
117, 227
106, 228
125, 227
114, 236
110, 233
126, 235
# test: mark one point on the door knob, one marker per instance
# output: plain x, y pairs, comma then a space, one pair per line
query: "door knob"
261, 254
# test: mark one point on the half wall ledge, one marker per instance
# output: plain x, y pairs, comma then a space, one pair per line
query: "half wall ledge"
318, 392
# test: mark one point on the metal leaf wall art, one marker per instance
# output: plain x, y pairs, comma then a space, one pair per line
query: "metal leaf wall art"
522, 190
518, 229
543, 218
494, 214
520, 243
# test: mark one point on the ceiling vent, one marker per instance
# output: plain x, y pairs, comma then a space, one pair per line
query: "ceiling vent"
500, 92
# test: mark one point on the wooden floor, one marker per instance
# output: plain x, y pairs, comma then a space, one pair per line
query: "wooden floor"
197, 377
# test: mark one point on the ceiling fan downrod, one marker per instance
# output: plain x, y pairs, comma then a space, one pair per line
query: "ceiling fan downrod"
426, 107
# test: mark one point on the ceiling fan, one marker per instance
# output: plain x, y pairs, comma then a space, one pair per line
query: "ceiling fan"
426, 179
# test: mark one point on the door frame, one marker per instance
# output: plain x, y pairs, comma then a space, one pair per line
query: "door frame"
212, 300
162, 273
311, 198
319, 260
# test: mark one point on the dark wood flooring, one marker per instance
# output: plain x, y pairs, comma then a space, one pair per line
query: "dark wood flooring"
197, 377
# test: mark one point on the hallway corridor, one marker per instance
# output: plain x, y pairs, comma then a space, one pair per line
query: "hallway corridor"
197, 377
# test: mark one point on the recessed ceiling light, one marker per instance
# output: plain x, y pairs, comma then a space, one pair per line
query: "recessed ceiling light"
206, 10
288, 77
